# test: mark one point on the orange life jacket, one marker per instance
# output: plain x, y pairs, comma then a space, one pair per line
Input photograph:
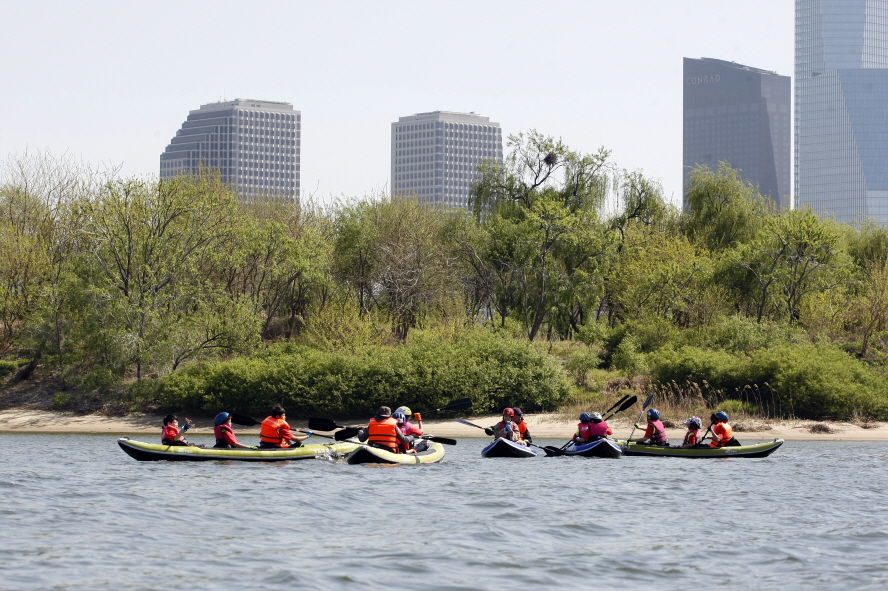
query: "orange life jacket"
270, 432
169, 433
724, 432
522, 428
384, 433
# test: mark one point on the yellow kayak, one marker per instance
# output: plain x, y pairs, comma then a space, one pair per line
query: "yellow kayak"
180, 453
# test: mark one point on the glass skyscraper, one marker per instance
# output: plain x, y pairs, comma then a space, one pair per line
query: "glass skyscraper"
435, 155
254, 144
740, 115
841, 108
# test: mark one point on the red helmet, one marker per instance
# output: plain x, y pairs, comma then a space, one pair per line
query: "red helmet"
509, 412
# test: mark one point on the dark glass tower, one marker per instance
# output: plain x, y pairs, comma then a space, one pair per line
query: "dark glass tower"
841, 108
740, 115
254, 144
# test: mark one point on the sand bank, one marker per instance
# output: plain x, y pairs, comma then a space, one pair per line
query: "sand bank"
542, 426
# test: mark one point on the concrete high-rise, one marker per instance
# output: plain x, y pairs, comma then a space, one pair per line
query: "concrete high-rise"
841, 108
254, 144
435, 155
740, 115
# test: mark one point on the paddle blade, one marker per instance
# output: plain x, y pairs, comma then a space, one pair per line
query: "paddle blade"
465, 422
246, 421
552, 451
444, 440
346, 433
618, 403
460, 404
648, 401
319, 424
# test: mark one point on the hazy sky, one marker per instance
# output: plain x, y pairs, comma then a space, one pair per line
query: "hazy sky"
111, 81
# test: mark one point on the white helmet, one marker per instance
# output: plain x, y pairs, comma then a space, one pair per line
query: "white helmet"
404, 409
596, 417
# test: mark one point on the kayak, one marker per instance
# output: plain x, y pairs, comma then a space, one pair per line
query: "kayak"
366, 454
181, 453
603, 448
503, 448
755, 450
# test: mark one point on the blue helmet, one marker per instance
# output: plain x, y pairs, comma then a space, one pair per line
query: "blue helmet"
721, 416
401, 417
653, 414
585, 417
220, 418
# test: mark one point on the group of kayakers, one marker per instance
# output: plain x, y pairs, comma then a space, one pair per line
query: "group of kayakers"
274, 433
394, 431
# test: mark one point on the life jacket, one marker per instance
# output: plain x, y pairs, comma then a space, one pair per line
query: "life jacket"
658, 436
383, 433
724, 432
409, 428
270, 432
692, 437
522, 428
169, 433
222, 441
587, 431
506, 431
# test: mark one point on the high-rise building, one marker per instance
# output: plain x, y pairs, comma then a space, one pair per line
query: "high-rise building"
254, 144
740, 115
435, 155
841, 108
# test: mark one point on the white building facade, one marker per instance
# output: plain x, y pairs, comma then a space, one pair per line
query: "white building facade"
255, 145
435, 155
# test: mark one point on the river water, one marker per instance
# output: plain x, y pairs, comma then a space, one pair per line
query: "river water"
78, 513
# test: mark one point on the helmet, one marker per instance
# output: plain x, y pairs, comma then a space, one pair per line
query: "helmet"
518, 412
596, 417
653, 414
509, 412
401, 417
220, 418
721, 416
695, 421
585, 417
405, 410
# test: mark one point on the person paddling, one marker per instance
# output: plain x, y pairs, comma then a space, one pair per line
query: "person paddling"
224, 433
692, 437
507, 428
524, 432
170, 435
591, 428
383, 432
655, 434
722, 432
275, 431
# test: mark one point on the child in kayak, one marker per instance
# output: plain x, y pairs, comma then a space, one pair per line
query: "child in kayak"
523, 431
170, 435
409, 428
506, 429
655, 434
722, 432
406, 429
692, 437
591, 428
225, 438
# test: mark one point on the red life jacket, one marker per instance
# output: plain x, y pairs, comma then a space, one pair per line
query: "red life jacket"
384, 433
169, 432
224, 436
724, 432
270, 432
692, 437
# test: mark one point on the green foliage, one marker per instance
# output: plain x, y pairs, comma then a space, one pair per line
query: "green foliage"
429, 372
7, 367
627, 358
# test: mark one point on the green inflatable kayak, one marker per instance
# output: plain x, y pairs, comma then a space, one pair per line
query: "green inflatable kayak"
755, 450
180, 453
366, 454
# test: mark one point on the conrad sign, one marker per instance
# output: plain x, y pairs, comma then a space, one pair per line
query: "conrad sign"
690, 80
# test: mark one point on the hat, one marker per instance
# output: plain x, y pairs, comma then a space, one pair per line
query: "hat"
384, 411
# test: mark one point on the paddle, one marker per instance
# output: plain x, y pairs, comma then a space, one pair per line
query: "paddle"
444, 440
624, 406
465, 422
248, 421
619, 402
461, 404
646, 404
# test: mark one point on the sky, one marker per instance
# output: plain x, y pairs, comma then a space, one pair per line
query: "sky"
110, 82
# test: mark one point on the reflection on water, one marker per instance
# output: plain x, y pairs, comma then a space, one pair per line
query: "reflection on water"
80, 514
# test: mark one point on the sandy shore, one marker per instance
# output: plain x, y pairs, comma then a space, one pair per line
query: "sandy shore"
543, 426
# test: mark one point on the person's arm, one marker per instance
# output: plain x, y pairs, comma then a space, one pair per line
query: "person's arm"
527, 436
402, 438
418, 418
231, 440
363, 435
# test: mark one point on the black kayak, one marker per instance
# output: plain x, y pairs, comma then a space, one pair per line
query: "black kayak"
503, 448
603, 448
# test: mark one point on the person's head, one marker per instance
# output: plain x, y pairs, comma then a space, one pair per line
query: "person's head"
400, 417
170, 420
653, 414
694, 423
519, 414
719, 417
221, 419
277, 411
383, 412
508, 414
405, 410
596, 417
585, 417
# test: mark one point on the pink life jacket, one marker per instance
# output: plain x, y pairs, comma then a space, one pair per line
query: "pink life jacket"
589, 430
658, 434
409, 429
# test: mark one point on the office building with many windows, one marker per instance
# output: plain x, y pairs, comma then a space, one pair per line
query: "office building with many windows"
255, 145
740, 115
435, 155
841, 108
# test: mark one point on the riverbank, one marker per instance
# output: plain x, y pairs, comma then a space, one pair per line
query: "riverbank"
542, 426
